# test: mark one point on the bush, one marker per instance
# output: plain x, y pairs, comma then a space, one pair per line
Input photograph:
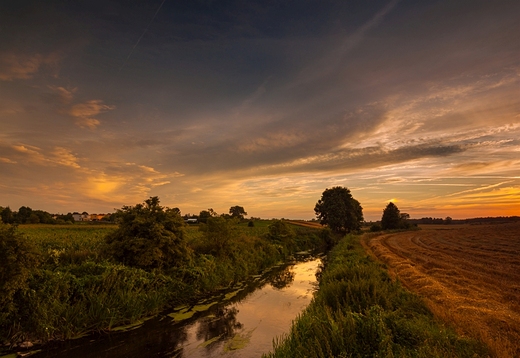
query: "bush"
281, 233
149, 236
218, 234
18, 259
375, 228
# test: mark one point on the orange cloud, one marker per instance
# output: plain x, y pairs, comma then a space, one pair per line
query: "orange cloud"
85, 111
20, 66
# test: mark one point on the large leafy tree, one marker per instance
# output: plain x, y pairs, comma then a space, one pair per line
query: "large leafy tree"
237, 212
149, 236
391, 218
339, 210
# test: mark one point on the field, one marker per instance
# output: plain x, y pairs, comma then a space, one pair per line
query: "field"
469, 275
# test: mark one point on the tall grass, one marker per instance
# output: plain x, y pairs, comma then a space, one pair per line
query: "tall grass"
78, 289
360, 312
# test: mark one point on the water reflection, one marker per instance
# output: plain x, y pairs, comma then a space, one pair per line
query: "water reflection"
243, 326
218, 327
282, 279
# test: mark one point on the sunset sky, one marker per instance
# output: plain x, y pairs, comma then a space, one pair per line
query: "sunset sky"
262, 104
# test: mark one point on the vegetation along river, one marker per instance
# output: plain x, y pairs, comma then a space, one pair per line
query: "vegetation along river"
238, 323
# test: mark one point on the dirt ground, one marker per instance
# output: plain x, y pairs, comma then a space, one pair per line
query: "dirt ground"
469, 275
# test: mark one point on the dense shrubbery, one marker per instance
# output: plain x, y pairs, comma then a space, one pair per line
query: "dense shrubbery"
18, 258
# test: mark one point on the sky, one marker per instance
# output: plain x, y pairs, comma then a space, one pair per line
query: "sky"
262, 104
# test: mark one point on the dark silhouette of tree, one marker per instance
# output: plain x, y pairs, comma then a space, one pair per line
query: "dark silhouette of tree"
149, 236
7, 215
204, 215
339, 210
23, 214
391, 217
237, 212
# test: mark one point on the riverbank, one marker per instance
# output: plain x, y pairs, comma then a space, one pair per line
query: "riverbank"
359, 311
74, 290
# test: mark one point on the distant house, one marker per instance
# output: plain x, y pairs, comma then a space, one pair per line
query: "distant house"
191, 221
84, 216
96, 217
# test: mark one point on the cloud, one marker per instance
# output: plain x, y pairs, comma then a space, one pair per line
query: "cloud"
58, 156
22, 66
84, 112
7, 160
64, 96
90, 123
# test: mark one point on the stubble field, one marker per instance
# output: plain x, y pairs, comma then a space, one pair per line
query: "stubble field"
469, 275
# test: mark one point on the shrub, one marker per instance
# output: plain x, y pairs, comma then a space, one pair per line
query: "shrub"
18, 259
281, 233
218, 234
375, 228
149, 236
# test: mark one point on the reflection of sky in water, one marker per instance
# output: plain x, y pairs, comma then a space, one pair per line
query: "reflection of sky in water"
263, 315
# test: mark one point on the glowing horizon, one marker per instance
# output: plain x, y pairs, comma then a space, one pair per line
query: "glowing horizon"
419, 104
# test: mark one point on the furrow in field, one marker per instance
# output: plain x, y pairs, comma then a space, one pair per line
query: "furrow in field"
470, 276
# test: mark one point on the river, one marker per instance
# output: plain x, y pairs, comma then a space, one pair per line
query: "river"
239, 323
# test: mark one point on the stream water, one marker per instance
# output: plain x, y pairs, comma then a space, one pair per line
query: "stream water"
239, 323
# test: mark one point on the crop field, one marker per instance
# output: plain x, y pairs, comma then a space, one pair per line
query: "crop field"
469, 275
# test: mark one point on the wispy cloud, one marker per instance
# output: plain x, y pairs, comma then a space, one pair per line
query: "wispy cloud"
85, 111
15, 66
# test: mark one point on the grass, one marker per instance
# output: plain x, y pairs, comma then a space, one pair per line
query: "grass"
78, 289
359, 311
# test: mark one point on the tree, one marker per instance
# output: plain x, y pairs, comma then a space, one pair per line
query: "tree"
391, 217
149, 236
23, 214
7, 215
339, 210
204, 215
237, 212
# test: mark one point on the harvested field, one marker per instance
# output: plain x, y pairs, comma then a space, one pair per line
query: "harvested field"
311, 224
469, 275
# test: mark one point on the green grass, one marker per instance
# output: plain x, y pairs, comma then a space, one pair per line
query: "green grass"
360, 312
78, 289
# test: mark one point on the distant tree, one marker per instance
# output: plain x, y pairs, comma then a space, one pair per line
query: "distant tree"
43, 217
7, 215
204, 215
33, 219
149, 236
237, 212
448, 220
339, 210
23, 214
391, 218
